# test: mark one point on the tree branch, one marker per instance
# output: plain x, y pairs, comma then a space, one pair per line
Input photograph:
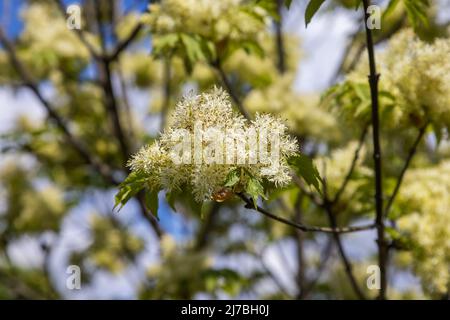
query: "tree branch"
149, 216
373, 82
230, 90
127, 105
29, 82
112, 108
272, 276
313, 196
80, 34
345, 260
104, 170
352, 166
302, 227
106, 81
345, 66
328, 206
324, 256
410, 156
122, 45
125, 43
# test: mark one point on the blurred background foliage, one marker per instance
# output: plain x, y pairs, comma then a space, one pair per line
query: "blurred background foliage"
60, 165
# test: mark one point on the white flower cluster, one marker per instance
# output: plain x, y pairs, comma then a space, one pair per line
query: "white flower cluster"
46, 46
425, 197
417, 75
48, 36
206, 178
213, 19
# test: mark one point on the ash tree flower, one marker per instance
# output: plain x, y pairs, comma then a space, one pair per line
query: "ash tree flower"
212, 152
415, 86
424, 224
205, 30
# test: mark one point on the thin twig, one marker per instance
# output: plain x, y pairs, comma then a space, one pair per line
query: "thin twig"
272, 276
125, 43
324, 256
345, 260
118, 49
230, 90
344, 66
250, 205
410, 156
328, 206
112, 108
122, 45
352, 166
149, 216
126, 102
353, 37
313, 196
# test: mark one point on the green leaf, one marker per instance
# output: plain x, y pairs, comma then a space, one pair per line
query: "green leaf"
252, 47
270, 6
249, 46
417, 12
193, 50
305, 168
390, 8
311, 10
134, 183
134, 177
164, 44
438, 132
204, 209
255, 189
362, 90
123, 196
170, 198
288, 3
402, 241
232, 179
227, 280
250, 10
151, 202
208, 49
195, 206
